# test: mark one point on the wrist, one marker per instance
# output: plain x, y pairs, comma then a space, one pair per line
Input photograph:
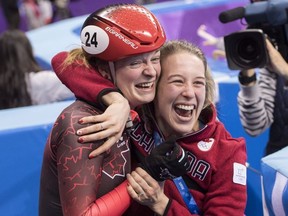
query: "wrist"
114, 97
161, 207
247, 78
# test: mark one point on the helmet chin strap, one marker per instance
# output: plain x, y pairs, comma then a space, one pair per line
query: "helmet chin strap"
113, 73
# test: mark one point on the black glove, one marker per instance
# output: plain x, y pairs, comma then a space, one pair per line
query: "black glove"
166, 161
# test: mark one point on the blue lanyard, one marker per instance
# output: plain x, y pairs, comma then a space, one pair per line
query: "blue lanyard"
187, 196
157, 138
180, 184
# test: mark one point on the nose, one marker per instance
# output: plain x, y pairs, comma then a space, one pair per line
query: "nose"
188, 91
150, 70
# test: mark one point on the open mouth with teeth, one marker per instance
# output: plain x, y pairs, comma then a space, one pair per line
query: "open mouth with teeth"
146, 85
184, 110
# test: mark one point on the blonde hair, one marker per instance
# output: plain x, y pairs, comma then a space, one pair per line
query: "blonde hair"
76, 55
177, 46
82, 59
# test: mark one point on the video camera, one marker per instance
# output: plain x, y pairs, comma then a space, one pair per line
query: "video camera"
246, 49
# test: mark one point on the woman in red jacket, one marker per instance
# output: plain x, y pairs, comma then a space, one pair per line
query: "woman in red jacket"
183, 107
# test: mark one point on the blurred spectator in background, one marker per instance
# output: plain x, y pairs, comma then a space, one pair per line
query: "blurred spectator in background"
211, 40
38, 13
142, 2
11, 13
22, 81
61, 10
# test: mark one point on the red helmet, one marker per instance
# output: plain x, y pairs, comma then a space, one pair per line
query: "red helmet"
119, 31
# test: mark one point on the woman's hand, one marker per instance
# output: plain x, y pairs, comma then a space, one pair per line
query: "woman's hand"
147, 191
109, 125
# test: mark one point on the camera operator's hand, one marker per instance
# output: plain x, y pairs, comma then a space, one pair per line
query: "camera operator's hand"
276, 63
166, 161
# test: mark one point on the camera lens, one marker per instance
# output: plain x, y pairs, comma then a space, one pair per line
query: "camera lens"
248, 49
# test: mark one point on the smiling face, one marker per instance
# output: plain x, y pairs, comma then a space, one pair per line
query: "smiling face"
136, 77
180, 94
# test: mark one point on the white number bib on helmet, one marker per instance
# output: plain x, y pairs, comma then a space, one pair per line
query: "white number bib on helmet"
94, 39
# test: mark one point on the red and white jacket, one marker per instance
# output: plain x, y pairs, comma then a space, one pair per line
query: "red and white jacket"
217, 175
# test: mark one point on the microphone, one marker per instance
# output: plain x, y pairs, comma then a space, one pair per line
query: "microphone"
231, 15
257, 12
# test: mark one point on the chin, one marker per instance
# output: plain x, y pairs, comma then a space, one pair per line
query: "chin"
182, 131
147, 99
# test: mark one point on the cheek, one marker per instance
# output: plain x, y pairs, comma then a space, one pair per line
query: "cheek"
158, 70
125, 78
166, 95
124, 84
201, 95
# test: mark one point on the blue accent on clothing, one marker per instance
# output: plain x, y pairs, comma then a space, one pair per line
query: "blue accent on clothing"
187, 196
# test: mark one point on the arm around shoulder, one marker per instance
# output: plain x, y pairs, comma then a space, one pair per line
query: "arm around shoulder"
76, 74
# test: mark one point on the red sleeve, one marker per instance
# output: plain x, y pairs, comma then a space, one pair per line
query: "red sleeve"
113, 203
75, 76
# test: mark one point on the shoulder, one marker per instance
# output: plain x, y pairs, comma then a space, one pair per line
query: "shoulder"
76, 111
58, 59
83, 107
225, 135
227, 142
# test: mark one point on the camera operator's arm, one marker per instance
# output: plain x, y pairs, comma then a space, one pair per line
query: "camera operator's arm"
256, 100
277, 63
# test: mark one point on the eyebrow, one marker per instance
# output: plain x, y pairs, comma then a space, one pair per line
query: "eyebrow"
180, 75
